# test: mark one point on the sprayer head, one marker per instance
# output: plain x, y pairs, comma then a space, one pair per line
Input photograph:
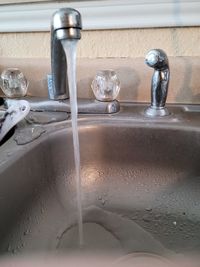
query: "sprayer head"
157, 59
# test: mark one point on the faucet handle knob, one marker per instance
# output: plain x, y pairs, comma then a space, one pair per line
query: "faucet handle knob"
13, 83
106, 85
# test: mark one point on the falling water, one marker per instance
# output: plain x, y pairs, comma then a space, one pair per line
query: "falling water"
70, 51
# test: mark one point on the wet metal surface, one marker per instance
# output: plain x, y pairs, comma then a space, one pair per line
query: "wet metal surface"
137, 173
29, 134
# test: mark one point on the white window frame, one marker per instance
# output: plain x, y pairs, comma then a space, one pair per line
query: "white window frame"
106, 14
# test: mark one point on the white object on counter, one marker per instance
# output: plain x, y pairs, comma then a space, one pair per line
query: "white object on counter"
17, 111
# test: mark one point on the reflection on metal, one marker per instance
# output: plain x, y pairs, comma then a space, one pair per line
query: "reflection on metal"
85, 106
158, 60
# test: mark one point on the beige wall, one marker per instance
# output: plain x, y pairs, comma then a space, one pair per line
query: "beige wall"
108, 43
134, 75
121, 50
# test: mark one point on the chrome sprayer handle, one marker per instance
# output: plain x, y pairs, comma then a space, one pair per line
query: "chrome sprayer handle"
157, 59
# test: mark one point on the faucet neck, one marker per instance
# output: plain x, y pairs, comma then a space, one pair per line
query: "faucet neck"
159, 88
58, 70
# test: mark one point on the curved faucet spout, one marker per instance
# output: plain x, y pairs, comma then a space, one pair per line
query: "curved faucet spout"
66, 24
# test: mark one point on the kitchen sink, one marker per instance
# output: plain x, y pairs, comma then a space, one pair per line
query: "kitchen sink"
140, 185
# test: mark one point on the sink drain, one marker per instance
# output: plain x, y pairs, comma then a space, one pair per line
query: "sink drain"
96, 239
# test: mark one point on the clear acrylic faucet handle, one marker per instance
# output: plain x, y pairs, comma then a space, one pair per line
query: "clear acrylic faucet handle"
106, 85
13, 83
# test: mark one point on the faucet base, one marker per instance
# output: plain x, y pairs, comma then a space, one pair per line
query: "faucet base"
85, 106
156, 111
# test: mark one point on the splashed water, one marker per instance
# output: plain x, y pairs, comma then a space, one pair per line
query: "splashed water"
70, 51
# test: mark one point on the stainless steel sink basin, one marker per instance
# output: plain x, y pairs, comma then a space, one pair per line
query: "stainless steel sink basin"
140, 183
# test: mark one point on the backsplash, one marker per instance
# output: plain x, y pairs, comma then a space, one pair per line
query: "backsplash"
129, 43
134, 75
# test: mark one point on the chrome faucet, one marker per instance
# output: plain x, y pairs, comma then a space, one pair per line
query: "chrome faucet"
158, 60
66, 24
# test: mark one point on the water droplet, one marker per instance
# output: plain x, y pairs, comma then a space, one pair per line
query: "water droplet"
28, 135
27, 232
148, 209
134, 217
157, 216
14, 251
146, 218
103, 202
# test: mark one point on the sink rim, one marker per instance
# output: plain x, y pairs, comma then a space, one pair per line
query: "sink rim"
131, 115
